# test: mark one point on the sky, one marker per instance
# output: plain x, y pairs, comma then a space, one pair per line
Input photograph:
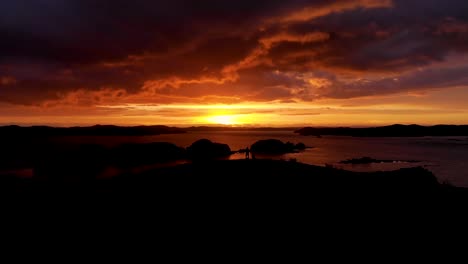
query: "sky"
242, 63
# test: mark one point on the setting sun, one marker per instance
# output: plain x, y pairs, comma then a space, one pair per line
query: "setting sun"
224, 120
229, 120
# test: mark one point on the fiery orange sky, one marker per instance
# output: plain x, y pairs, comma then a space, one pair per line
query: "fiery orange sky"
246, 63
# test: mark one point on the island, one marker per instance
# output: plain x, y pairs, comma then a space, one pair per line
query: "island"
276, 147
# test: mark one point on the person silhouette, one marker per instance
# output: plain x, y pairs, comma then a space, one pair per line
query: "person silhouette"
247, 153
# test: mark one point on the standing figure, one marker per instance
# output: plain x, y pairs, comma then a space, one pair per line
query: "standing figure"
247, 153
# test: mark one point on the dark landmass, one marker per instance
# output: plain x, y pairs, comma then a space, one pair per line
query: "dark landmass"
367, 160
55, 158
205, 149
233, 198
249, 183
388, 131
94, 161
276, 147
98, 130
132, 155
168, 175
188, 185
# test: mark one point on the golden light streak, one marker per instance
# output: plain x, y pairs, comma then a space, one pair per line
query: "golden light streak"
223, 120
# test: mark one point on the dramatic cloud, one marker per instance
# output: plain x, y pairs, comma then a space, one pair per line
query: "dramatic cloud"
90, 53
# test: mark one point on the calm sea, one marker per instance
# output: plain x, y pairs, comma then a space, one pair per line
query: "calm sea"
446, 157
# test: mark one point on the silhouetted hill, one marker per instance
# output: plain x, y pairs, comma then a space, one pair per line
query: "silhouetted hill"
205, 149
78, 163
280, 178
132, 154
387, 131
248, 180
97, 130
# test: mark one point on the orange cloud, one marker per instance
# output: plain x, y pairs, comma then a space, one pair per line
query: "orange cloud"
7, 80
237, 53
309, 13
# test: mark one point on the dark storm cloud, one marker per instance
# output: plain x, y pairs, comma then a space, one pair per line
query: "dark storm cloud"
86, 31
419, 80
411, 33
254, 50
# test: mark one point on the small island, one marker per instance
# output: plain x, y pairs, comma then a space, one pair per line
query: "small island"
276, 147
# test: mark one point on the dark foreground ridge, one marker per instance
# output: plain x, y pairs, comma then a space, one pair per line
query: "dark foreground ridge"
97, 130
387, 131
240, 197
199, 175
246, 181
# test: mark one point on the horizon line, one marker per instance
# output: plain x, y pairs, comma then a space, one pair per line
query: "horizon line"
185, 126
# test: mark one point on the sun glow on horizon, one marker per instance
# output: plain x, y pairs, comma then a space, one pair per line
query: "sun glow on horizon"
365, 111
227, 119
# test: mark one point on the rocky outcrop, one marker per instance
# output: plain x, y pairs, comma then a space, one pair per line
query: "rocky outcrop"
205, 149
276, 147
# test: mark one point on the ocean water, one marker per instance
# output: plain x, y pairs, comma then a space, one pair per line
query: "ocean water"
446, 157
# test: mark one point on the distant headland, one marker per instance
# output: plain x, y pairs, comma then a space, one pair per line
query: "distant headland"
387, 131
97, 130
396, 130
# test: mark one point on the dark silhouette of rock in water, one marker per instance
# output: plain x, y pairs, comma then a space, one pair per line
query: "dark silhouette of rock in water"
300, 146
205, 149
276, 147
